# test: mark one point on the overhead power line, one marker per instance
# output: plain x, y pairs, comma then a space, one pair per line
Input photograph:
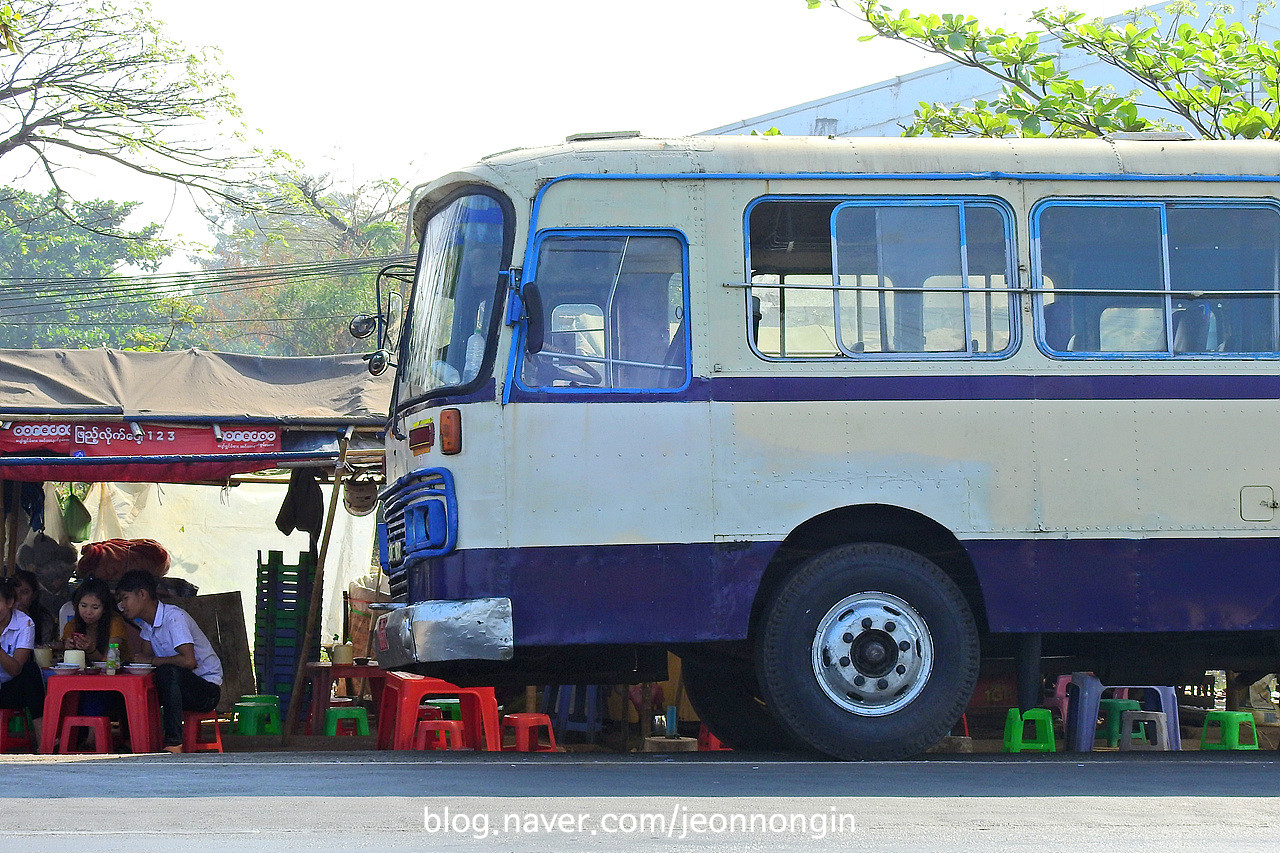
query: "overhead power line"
24, 297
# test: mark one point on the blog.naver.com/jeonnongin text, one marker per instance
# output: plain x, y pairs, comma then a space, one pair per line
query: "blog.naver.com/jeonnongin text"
678, 822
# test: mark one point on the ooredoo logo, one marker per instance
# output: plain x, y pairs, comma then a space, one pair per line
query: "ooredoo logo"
42, 431
249, 435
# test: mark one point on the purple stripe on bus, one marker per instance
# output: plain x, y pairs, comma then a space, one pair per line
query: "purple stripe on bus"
674, 593
812, 389
997, 387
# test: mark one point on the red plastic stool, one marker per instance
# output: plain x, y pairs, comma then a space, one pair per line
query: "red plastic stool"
101, 728
708, 742
9, 740
438, 734
403, 694
526, 726
191, 741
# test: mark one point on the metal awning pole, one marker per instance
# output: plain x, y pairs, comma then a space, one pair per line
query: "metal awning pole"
317, 590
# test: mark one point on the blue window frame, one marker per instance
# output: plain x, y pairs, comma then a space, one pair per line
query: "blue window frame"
610, 308
904, 277
1156, 278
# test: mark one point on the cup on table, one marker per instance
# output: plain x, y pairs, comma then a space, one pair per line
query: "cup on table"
44, 657
75, 656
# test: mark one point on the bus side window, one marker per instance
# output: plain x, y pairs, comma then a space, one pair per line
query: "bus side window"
911, 277
1152, 277
614, 313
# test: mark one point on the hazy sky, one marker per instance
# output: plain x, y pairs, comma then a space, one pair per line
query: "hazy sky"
412, 88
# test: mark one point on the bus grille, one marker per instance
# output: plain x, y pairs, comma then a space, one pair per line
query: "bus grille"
420, 512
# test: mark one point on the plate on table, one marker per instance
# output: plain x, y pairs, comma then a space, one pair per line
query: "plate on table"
100, 664
64, 668
139, 667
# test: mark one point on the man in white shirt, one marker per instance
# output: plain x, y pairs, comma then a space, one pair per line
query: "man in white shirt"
188, 673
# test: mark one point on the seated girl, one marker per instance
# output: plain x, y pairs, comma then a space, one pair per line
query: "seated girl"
97, 623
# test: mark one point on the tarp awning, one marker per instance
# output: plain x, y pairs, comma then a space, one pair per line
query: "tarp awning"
99, 415
192, 385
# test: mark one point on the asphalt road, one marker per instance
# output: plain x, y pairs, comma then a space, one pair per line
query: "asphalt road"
716, 802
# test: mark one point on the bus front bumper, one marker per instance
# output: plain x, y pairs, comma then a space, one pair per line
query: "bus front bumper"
430, 631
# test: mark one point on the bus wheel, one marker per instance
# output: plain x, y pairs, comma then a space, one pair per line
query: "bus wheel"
868, 651
725, 696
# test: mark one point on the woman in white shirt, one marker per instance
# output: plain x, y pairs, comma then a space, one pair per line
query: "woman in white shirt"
20, 683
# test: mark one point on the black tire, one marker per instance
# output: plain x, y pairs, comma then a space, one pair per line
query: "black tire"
725, 695
863, 610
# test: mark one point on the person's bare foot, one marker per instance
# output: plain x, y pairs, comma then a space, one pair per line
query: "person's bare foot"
176, 750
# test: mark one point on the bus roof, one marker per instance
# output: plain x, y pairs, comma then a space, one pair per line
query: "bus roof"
524, 170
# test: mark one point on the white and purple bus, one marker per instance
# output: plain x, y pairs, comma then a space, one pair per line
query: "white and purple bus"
833, 419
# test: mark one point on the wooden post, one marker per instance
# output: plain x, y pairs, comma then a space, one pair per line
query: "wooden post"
317, 591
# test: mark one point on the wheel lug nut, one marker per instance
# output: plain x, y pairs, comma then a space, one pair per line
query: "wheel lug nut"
866, 623
848, 638
882, 684
844, 661
901, 669
903, 646
859, 680
889, 626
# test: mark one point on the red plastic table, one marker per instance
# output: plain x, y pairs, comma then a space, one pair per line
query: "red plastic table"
323, 674
402, 695
141, 704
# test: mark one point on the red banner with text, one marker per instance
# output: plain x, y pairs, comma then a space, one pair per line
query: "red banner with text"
122, 439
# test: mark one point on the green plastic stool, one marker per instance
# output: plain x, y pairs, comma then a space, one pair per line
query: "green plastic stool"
253, 718
1110, 711
1229, 725
1042, 740
20, 723
334, 714
450, 709
261, 699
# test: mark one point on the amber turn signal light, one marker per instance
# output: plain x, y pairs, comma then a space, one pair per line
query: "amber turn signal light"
450, 431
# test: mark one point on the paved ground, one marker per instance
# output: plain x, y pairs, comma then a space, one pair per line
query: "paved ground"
718, 802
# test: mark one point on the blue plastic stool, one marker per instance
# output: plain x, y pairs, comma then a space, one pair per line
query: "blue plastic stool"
1084, 696
575, 708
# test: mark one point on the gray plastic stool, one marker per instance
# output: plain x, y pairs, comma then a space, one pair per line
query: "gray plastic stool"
1136, 735
1083, 695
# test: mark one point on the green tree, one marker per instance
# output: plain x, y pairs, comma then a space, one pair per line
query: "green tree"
53, 294
1218, 80
313, 235
96, 82
9, 28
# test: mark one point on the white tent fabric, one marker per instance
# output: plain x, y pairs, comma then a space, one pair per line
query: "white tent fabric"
214, 535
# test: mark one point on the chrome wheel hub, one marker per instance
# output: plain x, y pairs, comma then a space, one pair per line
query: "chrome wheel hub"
872, 653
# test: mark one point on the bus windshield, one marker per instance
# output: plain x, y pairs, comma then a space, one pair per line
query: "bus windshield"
454, 299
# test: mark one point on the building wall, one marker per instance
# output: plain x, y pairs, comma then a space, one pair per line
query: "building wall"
883, 109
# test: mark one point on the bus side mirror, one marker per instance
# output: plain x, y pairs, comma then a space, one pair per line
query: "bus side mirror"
379, 361
533, 325
362, 326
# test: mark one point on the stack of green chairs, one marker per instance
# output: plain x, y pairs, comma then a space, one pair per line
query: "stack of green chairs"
284, 596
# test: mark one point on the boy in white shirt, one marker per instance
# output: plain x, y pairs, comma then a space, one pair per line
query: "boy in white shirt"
188, 673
